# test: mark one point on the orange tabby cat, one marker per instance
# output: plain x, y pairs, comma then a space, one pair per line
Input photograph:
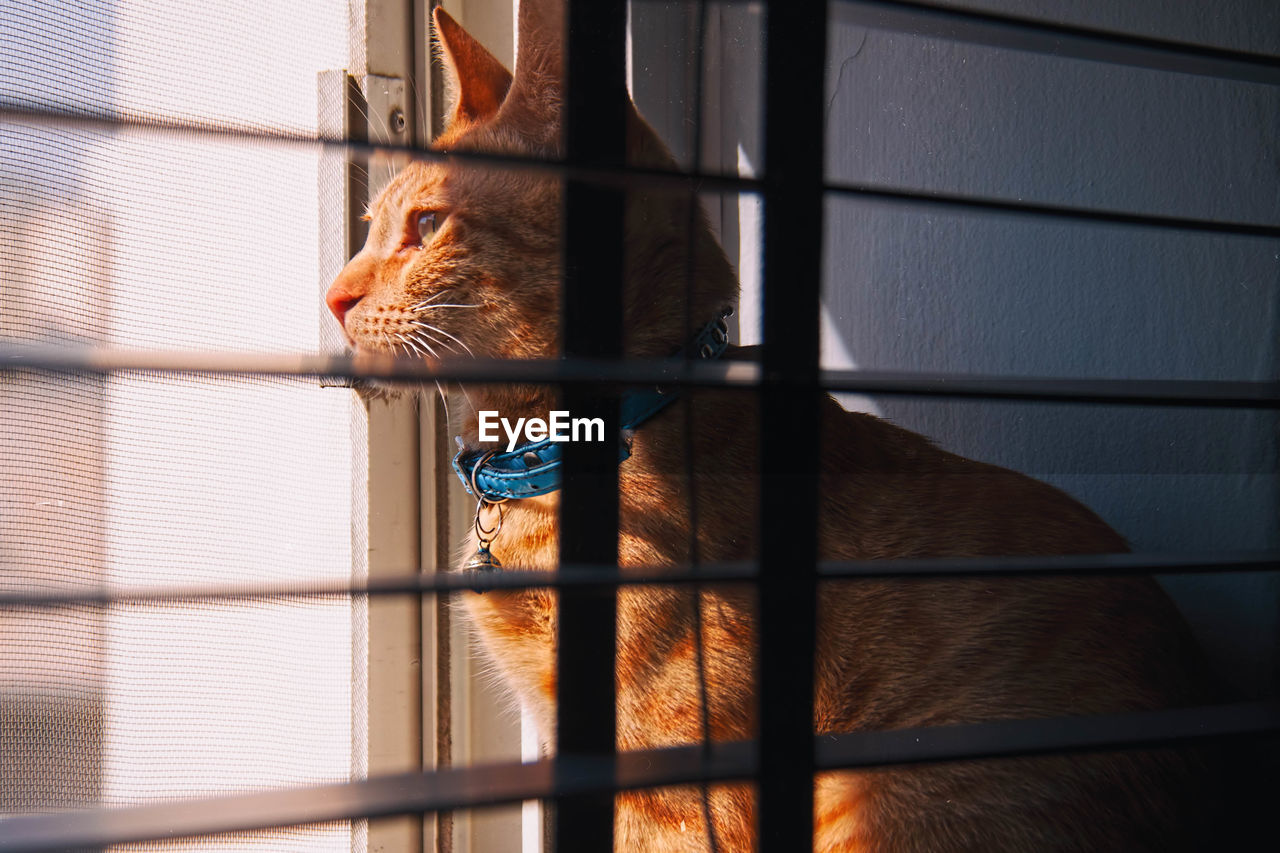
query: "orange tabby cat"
464, 258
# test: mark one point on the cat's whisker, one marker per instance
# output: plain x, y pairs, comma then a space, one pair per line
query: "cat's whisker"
417, 306
386, 339
452, 349
442, 344
443, 399
452, 305
381, 122
422, 335
414, 340
467, 396
410, 342
415, 336
360, 163
440, 331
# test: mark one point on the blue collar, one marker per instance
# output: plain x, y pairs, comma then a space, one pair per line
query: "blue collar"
534, 469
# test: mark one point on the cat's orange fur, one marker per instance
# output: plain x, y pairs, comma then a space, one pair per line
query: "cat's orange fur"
891, 654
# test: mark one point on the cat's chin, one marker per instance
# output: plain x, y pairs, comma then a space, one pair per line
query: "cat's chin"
383, 361
379, 389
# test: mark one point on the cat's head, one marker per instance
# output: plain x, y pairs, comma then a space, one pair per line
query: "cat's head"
465, 258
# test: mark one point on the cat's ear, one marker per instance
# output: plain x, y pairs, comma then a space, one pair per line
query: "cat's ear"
540, 41
534, 102
482, 82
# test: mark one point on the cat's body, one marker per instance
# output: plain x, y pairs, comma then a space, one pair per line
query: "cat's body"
891, 653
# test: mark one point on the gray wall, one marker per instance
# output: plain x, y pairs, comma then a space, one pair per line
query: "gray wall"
925, 289
913, 288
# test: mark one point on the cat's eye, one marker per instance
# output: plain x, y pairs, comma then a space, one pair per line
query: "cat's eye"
426, 223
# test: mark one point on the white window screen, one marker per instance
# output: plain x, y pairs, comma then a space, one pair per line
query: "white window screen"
139, 239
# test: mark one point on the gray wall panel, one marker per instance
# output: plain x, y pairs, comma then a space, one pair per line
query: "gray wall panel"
919, 288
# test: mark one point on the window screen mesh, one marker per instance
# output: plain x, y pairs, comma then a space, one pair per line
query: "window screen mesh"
134, 238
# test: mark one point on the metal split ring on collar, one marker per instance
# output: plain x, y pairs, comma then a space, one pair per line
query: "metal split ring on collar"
485, 535
475, 489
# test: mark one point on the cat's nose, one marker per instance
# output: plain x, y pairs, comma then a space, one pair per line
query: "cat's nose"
340, 302
351, 285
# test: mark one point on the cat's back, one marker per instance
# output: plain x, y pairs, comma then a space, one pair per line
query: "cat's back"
887, 492
904, 653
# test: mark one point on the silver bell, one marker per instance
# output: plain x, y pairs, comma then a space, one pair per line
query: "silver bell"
483, 560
